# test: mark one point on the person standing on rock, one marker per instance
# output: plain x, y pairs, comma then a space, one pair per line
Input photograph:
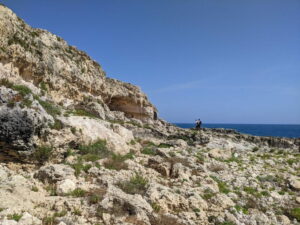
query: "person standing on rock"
198, 124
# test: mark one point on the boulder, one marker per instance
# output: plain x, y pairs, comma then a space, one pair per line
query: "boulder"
54, 173
65, 186
295, 183
220, 153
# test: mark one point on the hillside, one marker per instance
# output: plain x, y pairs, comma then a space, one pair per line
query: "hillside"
77, 147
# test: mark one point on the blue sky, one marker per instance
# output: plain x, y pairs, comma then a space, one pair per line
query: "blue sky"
227, 61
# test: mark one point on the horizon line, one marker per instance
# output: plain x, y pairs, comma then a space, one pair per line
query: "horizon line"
240, 123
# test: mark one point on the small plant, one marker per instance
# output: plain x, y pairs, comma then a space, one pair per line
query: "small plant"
77, 212
241, 209
208, 194
73, 130
60, 214
1, 209
52, 190
78, 192
223, 188
58, 125
117, 162
50, 109
79, 166
14, 216
48, 220
35, 189
23, 90
97, 148
164, 145
42, 153
136, 185
255, 149
296, 213
148, 151
196, 210
83, 112
200, 157
250, 190
132, 142
94, 199
26, 102
156, 207
226, 223
6, 83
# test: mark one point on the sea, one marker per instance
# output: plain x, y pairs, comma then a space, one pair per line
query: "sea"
273, 130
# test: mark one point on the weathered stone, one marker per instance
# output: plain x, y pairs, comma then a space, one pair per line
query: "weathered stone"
54, 173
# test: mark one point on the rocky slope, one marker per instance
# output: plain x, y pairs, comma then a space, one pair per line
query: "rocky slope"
77, 147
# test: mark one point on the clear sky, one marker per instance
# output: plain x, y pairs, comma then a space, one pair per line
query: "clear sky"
232, 61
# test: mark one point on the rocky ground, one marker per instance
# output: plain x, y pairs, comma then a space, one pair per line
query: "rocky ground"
79, 148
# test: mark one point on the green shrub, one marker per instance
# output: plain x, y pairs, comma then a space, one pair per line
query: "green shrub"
60, 214
6, 83
97, 148
58, 125
164, 145
48, 220
208, 194
79, 166
223, 188
117, 162
77, 212
200, 157
35, 189
226, 223
51, 189
42, 153
78, 192
241, 208
94, 199
136, 185
23, 90
156, 207
73, 130
148, 151
250, 190
50, 109
14, 216
83, 112
296, 213
26, 102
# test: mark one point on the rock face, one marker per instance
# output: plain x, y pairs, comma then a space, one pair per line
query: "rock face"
45, 60
79, 148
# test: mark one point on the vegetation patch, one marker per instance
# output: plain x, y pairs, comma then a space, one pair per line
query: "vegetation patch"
136, 185
23, 90
78, 193
117, 162
295, 213
50, 108
98, 148
42, 153
15, 217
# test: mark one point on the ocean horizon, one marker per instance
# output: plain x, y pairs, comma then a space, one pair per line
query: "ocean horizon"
269, 130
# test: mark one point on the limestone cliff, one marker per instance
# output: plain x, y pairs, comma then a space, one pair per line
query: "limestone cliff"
69, 75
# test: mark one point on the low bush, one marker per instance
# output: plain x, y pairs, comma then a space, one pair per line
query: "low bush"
50, 108
97, 148
295, 213
42, 153
14, 216
136, 185
117, 162
78, 193
23, 90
